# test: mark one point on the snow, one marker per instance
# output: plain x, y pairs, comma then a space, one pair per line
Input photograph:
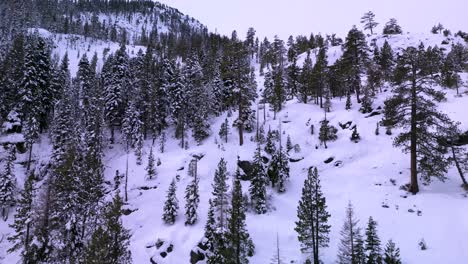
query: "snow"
364, 178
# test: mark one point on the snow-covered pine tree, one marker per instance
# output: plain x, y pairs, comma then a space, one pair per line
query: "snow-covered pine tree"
192, 199
367, 100
8, 182
354, 58
305, 86
279, 170
355, 137
327, 132
348, 101
150, 168
220, 196
132, 130
21, 240
224, 130
240, 245
386, 61
349, 234
372, 246
171, 206
392, 27
258, 184
270, 146
360, 256
391, 253
110, 242
312, 226
289, 145
210, 225
368, 19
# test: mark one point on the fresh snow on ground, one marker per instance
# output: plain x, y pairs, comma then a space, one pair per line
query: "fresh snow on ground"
363, 178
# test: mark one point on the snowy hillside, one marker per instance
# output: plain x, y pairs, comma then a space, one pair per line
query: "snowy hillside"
369, 173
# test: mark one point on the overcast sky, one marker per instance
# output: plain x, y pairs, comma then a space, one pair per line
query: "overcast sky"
294, 17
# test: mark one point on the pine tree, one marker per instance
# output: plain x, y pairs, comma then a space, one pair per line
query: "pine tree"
360, 256
258, 184
312, 227
392, 27
224, 130
151, 169
210, 226
386, 61
240, 244
413, 108
319, 75
270, 146
21, 240
373, 243
306, 79
110, 242
327, 132
391, 254
132, 130
355, 135
192, 199
220, 197
289, 145
171, 206
354, 59
8, 183
279, 170
349, 234
368, 20
348, 101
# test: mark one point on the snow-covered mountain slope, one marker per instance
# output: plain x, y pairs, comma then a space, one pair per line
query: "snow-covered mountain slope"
397, 42
368, 173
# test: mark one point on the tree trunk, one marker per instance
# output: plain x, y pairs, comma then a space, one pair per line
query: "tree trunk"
413, 188
457, 164
240, 125
29, 157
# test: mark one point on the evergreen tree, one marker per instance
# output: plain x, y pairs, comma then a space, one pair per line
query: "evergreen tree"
224, 130
151, 169
289, 145
373, 243
355, 135
391, 254
392, 27
306, 79
220, 197
110, 242
171, 206
270, 146
349, 234
279, 170
368, 19
8, 183
327, 132
23, 233
354, 58
360, 256
132, 130
348, 101
386, 61
312, 227
210, 226
240, 244
192, 199
413, 108
258, 183
319, 75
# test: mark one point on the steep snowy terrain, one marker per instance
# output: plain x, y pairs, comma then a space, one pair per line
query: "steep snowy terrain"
368, 173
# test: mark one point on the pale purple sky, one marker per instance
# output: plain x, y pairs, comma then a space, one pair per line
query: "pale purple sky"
294, 17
